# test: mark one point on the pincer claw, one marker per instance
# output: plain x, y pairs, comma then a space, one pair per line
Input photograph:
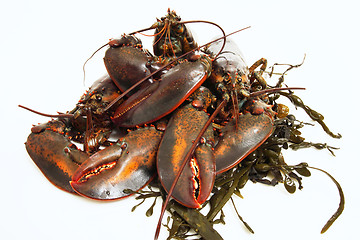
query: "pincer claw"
239, 141
128, 164
197, 179
54, 154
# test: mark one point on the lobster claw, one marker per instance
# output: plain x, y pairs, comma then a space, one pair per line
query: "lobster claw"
197, 179
125, 62
128, 164
164, 96
54, 154
238, 141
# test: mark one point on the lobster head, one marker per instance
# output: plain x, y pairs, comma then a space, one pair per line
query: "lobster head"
172, 38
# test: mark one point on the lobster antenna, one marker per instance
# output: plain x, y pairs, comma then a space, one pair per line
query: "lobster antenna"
92, 55
60, 115
143, 30
162, 31
186, 161
273, 90
212, 23
166, 65
148, 35
168, 37
185, 22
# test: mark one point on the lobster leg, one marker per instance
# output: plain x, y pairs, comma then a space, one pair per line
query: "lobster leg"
128, 164
54, 154
198, 176
258, 75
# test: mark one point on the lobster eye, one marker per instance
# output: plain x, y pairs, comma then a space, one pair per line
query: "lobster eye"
98, 98
179, 28
227, 78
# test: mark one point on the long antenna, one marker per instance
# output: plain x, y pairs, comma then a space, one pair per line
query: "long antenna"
92, 55
60, 115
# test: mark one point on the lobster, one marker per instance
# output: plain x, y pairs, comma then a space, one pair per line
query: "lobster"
189, 116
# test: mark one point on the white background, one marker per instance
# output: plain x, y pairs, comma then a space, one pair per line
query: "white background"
43, 45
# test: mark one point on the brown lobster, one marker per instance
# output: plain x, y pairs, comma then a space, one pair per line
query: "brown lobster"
207, 112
